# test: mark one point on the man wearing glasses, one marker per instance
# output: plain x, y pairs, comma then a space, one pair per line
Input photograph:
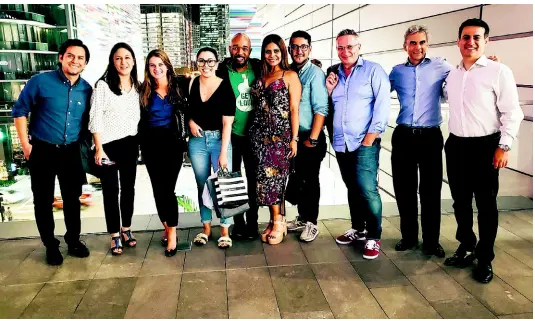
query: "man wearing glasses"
360, 94
242, 71
312, 144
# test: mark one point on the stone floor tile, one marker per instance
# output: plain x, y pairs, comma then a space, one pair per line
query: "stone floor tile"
346, 293
33, 269
207, 257
438, 286
246, 261
506, 265
106, 298
203, 296
18, 249
15, 298
297, 289
156, 263
154, 297
251, 294
523, 284
497, 296
74, 268
525, 215
515, 246
517, 316
7, 266
287, 252
245, 254
465, 308
516, 226
379, 273
323, 249
416, 267
56, 300
404, 302
308, 315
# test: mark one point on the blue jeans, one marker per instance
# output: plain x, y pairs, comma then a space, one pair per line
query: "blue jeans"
203, 152
359, 172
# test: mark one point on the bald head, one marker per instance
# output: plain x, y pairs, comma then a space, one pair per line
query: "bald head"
239, 50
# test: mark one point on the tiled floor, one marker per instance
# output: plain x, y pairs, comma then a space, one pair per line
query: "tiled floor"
254, 280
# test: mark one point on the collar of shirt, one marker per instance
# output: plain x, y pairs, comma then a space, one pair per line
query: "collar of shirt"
424, 61
64, 78
482, 61
359, 63
304, 68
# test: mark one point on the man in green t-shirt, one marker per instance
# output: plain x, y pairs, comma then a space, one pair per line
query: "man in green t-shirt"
242, 71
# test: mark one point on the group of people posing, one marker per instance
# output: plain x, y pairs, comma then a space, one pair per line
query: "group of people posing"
270, 114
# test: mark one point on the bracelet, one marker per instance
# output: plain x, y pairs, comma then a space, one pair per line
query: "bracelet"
313, 141
296, 138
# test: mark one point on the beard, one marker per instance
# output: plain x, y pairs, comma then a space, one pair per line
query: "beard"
236, 64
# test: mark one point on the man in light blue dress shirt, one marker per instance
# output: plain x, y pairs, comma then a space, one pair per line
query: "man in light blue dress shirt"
360, 95
417, 142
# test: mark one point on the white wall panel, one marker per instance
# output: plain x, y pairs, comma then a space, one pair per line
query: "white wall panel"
322, 15
505, 19
289, 8
322, 32
350, 21
378, 15
388, 60
322, 49
517, 54
521, 155
340, 9
305, 9
442, 29
526, 94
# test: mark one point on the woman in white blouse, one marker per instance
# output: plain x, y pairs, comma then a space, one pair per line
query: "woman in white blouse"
113, 120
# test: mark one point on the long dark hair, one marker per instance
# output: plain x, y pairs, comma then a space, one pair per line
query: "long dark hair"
111, 76
149, 84
276, 39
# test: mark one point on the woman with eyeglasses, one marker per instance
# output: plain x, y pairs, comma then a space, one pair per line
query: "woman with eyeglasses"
274, 131
212, 107
113, 120
163, 137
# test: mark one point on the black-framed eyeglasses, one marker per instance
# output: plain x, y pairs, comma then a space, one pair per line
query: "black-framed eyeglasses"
297, 47
211, 62
348, 47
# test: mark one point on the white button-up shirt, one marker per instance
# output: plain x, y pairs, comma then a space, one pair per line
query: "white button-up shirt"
483, 100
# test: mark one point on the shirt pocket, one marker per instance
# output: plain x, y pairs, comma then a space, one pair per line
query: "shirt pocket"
360, 88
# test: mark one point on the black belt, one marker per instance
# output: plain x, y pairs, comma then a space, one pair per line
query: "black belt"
38, 142
418, 130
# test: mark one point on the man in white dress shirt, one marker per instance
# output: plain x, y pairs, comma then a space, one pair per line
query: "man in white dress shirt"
485, 116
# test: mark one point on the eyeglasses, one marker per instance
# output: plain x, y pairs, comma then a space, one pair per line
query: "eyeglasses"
297, 47
211, 62
348, 47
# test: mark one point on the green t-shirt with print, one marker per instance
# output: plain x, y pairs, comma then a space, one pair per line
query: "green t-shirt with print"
241, 84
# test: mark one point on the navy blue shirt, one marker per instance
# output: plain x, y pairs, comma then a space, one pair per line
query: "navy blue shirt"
57, 108
160, 112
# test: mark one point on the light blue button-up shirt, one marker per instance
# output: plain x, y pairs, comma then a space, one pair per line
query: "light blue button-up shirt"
361, 104
314, 96
419, 89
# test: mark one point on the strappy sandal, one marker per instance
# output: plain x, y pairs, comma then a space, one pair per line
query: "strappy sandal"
201, 239
224, 242
117, 249
278, 233
130, 242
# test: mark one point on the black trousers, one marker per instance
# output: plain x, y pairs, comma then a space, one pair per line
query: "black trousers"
124, 152
469, 164
241, 149
307, 170
46, 162
418, 151
163, 153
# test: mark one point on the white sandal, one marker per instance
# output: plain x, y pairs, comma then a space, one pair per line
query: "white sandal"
224, 242
201, 239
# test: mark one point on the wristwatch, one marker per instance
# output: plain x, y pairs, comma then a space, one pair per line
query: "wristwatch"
505, 148
296, 138
313, 141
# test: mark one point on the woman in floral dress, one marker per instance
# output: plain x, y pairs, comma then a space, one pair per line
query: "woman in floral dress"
274, 130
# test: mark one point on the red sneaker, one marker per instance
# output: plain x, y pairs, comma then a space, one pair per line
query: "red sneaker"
371, 249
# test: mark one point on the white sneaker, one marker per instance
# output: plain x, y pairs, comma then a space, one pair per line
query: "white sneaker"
295, 225
309, 233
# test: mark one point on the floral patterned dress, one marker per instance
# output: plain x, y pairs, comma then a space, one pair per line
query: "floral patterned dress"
270, 134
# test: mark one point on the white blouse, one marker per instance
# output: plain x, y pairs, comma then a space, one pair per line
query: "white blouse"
113, 117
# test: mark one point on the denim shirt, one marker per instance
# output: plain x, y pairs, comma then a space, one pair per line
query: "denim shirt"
419, 90
361, 104
314, 96
57, 109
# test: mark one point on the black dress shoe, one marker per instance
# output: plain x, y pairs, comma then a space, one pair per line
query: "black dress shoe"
170, 253
78, 249
404, 245
238, 232
461, 258
252, 232
53, 256
436, 250
483, 272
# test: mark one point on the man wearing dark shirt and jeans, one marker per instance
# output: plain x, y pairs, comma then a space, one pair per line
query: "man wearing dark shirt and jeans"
59, 103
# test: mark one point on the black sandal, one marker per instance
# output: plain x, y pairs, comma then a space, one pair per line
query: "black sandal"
117, 249
130, 241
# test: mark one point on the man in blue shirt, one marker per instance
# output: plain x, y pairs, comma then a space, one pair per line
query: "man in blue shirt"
58, 102
360, 95
417, 142
312, 145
